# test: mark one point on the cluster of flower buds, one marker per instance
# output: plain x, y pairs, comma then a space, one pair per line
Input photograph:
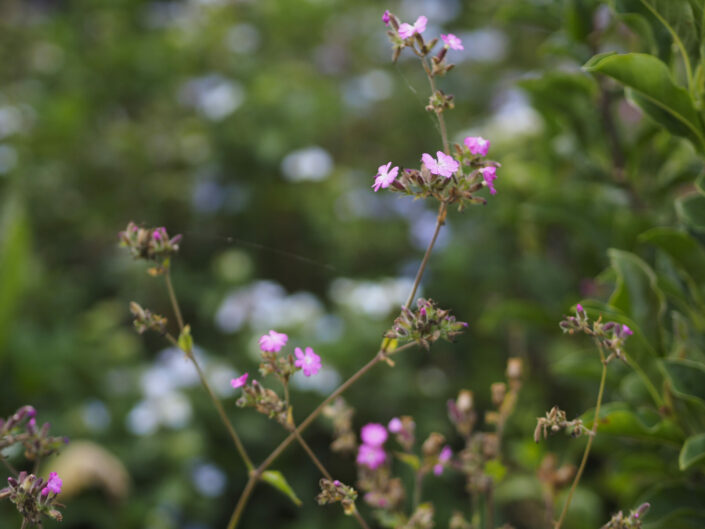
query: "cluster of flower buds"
21, 427
344, 438
555, 421
610, 335
421, 519
403, 35
145, 320
458, 521
437, 455
450, 178
34, 497
426, 325
631, 521
335, 491
462, 413
403, 429
152, 244
554, 477
381, 490
267, 402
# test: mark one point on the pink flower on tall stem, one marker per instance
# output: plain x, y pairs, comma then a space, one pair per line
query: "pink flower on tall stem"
407, 30
309, 362
273, 341
385, 177
371, 456
489, 174
373, 434
452, 42
445, 166
239, 381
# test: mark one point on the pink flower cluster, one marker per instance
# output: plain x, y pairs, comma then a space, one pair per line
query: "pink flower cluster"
409, 30
53, 484
371, 452
273, 342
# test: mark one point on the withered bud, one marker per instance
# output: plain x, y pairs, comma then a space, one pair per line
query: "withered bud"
499, 391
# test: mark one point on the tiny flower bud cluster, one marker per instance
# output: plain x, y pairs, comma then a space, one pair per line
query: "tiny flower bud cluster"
145, 320
34, 497
555, 421
152, 244
344, 438
610, 335
335, 491
36, 441
632, 521
426, 325
267, 402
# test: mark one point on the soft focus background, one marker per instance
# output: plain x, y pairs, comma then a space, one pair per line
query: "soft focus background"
255, 128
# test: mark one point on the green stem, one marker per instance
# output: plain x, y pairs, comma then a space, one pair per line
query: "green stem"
174, 301
593, 432
418, 487
9, 466
439, 114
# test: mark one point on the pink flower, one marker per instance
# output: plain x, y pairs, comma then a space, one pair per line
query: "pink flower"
385, 17
579, 308
489, 174
309, 362
452, 42
53, 484
273, 341
627, 331
477, 145
239, 381
443, 458
373, 434
371, 456
445, 166
395, 425
407, 30
384, 176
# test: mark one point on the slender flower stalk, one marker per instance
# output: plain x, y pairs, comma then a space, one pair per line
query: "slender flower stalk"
593, 432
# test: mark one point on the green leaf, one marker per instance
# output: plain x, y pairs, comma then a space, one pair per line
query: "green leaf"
496, 470
186, 340
700, 183
674, 506
687, 378
618, 419
408, 459
277, 480
693, 451
654, 90
636, 292
691, 211
14, 257
681, 247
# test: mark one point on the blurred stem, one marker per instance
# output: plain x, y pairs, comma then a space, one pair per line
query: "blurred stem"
593, 432
218, 406
439, 114
9, 466
255, 474
440, 220
489, 505
418, 487
174, 301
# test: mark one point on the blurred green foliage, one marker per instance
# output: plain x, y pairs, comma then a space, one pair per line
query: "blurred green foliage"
255, 129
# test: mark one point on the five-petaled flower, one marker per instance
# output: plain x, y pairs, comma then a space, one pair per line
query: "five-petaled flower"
452, 42
373, 434
53, 484
407, 30
477, 145
489, 174
371, 456
445, 166
309, 362
384, 176
239, 381
273, 341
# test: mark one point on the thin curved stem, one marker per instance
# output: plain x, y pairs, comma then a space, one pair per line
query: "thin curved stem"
439, 114
593, 432
440, 220
9, 466
174, 301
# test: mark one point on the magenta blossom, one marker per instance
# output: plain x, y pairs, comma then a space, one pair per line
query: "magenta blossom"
310, 362
626, 331
384, 176
477, 145
489, 174
371, 456
273, 341
443, 458
239, 381
373, 434
579, 308
53, 484
395, 425
452, 42
407, 30
386, 17
445, 166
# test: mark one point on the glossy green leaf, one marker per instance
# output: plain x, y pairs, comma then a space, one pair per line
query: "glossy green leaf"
681, 247
655, 91
277, 480
687, 378
692, 452
691, 211
636, 292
